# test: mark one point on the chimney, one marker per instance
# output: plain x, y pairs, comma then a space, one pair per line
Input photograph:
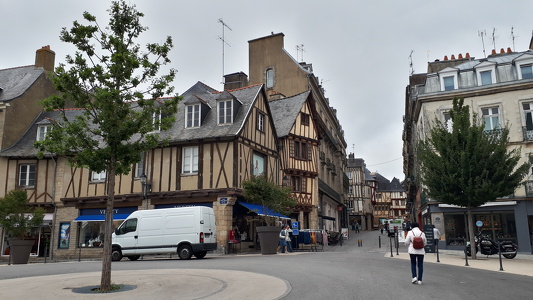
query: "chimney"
45, 58
235, 81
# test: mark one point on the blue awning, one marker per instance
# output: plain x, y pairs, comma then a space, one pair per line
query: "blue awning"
258, 209
100, 218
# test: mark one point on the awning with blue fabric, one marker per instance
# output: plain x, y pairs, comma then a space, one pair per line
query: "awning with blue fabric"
100, 218
258, 209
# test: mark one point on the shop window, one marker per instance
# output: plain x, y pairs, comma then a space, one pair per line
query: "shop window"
91, 233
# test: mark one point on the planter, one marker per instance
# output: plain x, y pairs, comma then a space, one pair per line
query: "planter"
20, 250
268, 239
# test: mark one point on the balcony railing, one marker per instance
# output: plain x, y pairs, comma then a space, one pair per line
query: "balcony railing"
528, 133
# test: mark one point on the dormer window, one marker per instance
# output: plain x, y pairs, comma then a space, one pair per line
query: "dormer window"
524, 66
526, 72
486, 73
448, 79
270, 74
225, 111
41, 132
192, 116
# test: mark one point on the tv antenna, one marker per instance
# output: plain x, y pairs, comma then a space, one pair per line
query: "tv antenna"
411, 63
300, 48
224, 43
481, 34
494, 37
512, 36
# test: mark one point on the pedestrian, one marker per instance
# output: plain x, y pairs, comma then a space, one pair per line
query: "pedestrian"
288, 238
356, 227
381, 228
282, 241
416, 252
436, 236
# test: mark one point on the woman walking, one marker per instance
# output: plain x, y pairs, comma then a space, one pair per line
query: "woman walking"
415, 241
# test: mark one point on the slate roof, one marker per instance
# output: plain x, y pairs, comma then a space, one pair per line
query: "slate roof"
209, 129
15, 81
24, 147
285, 111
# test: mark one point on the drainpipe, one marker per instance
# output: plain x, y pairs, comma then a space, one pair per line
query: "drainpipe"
52, 230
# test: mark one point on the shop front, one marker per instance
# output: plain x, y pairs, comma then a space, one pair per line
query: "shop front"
502, 221
41, 236
90, 226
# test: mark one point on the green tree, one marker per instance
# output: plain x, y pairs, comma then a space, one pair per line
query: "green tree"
468, 166
116, 85
258, 190
16, 217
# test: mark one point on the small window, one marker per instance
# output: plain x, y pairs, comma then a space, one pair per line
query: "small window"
225, 112
260, 121
139, 167
190, 160
299, 183
156, 120
98, 177
258, 164
526, 71
486, 77
270, 78
449, 83
304, 119
192, 116
27, 175
41, 132
491, 118
300, 150
448, 121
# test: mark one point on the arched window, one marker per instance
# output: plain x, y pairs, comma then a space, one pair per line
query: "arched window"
270, 78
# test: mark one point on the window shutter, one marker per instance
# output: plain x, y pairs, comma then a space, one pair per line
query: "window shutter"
304, 184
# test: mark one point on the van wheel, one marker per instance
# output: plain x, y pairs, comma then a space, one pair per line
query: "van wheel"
185, 252
200, 254
134, 258
116, 254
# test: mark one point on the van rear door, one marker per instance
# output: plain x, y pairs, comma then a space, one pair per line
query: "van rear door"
209, 226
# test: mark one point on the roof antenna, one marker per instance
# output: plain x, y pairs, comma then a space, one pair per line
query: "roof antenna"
300, 48
513, 37
481, 34
411, 63
223, 42
494, 37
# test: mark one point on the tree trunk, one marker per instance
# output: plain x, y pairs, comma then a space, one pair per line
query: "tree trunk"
471, 234
105, 282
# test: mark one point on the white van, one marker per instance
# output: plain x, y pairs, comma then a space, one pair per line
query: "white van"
186, 231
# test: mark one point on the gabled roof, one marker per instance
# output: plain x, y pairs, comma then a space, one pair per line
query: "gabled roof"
285, 111
15, 81
209, 129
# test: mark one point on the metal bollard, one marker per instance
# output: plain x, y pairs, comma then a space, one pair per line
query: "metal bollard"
360, 243
379, 241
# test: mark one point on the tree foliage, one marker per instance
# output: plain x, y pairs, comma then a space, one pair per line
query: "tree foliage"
258, 190
115, 84
16, 217
468, 166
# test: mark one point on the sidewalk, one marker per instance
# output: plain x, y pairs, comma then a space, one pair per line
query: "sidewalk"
522, 264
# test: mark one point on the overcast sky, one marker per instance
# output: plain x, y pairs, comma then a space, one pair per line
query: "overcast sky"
359, 49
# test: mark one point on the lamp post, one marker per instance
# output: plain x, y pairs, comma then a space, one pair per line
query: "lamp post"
145, 186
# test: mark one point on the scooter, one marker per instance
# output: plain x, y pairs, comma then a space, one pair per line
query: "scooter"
489, 247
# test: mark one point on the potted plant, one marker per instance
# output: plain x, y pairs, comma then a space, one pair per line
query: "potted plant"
17, 220
273, 198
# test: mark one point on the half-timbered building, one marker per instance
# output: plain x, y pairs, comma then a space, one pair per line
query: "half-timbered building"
299, 140
218, 140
